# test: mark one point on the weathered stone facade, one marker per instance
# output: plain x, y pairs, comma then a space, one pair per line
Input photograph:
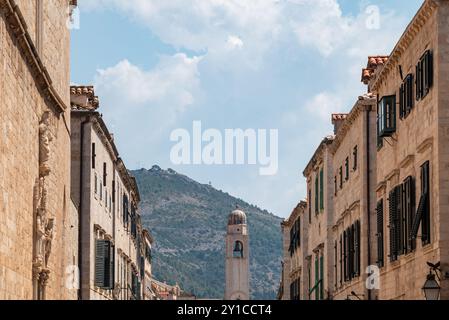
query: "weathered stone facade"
108, 198
387, 211
38, 228
418, 140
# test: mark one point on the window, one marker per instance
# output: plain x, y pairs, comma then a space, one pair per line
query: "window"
394, 220
105, 174
94, 155
295, 237
310, 206
341, 177
106, 198
350, 253
96, 184
322, 278
295, 293
408, 205
424, 75
386, 116
317, 278
125, 210
355, 158
341, 259
316, 194
104, 264
380, 233
321, 189
101, 191
406, 97
347, 169
238, 250
423, 213
335, 264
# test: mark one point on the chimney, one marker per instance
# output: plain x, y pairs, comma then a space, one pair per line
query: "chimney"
337, 120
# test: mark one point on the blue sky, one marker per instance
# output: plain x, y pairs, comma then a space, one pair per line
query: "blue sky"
159, 65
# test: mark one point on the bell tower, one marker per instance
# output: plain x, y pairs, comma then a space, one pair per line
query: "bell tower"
237, 257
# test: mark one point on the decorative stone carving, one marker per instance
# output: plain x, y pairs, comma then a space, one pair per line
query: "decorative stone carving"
44, 221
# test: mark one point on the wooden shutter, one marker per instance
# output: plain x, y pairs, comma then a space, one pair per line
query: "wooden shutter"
316, 194
380, 233
322, 278
335, 264
357, 248
341, 259
101, 260
317, 277
425, 189
409, 94
401, 102
94, 155
393, 201
428, 72
345, 255
322, 189
409, 213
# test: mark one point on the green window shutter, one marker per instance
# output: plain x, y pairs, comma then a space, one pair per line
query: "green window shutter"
322, 189
380, 233
341, 259
317, 277
357, 248
425, 191
101, 254
321, 278
316, 194
345, 256
393, 201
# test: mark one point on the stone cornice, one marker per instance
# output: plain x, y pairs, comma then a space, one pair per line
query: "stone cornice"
301, 207
19, 31
415, 26
318, 155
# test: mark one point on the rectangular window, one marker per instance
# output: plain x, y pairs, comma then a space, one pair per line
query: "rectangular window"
386, 116
357, 249
310, 206
341, 259
335, 264
380, 233
96, 184
345, 255
424, 75
423, 212
322, 278
105, 174
347, 169
317, 278
341, 177
406, 97
394, 201
101, 190
355, 158
104, 264
94, 155
408, 214
317, 194
321, 189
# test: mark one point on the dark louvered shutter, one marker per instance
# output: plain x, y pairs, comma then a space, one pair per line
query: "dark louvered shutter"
101, 253
345, 254
322, 278
428, 81
357, 248
111, 271
409, 213
380, 233
341, 259
426, 221
393, 220
401, 102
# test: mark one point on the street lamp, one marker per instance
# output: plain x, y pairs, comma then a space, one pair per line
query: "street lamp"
431, 287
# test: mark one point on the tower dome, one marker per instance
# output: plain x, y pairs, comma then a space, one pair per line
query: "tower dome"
237, 217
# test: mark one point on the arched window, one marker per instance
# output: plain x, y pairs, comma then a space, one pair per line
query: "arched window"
238, 250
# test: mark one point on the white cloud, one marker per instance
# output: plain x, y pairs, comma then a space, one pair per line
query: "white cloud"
235, 42
141, 105
323, 105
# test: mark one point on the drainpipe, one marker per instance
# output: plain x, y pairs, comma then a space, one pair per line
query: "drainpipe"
368, 188
80, 209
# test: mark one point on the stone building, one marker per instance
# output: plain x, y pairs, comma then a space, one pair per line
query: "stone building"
115, 251
412, 158
319, 222
354, 162
38, 221
294, 255
237, 257
386, 217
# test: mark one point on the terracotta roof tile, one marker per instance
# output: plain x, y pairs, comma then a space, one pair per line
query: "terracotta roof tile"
83, 98
339, 116
373, 63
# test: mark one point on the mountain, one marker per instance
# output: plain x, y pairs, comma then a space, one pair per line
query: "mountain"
188, 221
